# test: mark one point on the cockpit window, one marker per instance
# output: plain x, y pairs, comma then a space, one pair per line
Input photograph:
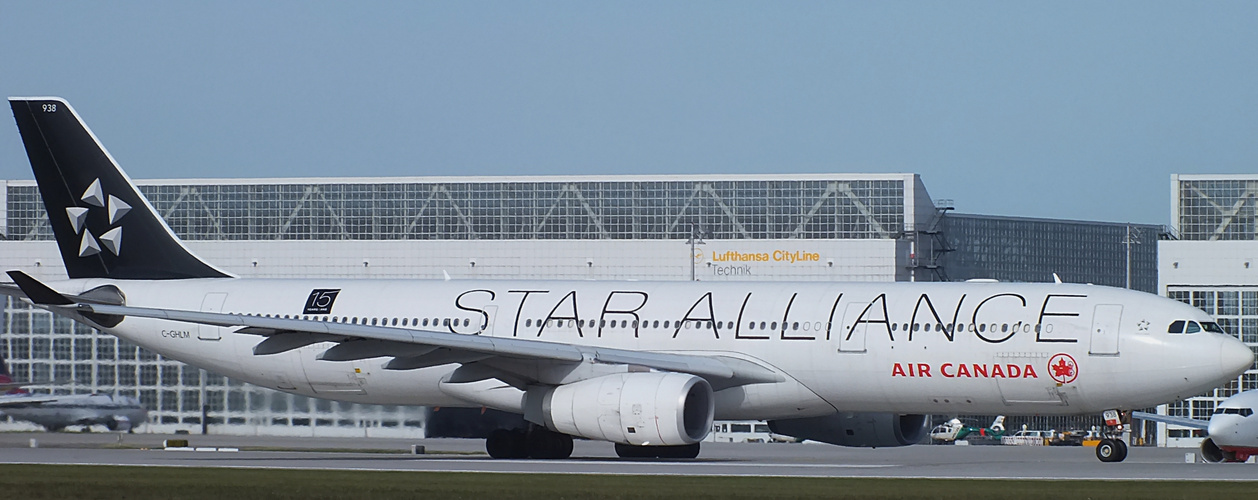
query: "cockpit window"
1244, 412
1176, 327
1212, 327
1193, 327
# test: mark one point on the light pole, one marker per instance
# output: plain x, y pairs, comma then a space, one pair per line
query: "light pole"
694, 240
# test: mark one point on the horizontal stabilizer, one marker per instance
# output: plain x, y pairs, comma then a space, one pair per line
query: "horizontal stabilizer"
39, 293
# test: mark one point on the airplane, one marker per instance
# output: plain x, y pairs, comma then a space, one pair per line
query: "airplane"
56, 412
644, 365
1232, 431
955, 430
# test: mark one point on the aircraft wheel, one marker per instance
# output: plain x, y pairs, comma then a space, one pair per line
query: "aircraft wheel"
543, 443
683, 451
503, 443
1111, 450
631, 451
671, 452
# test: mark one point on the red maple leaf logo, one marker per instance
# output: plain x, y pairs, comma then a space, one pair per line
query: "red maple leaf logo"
1063, 369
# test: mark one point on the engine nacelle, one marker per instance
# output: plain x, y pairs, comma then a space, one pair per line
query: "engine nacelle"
871, 430
118, 423
1210, 452
657, 409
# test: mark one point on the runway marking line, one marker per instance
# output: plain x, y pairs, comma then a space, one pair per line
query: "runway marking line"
472, 471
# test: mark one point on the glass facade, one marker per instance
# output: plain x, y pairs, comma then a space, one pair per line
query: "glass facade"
1031, 250
1216, 207
768, 208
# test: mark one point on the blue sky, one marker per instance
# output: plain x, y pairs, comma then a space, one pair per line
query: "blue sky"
1075, 110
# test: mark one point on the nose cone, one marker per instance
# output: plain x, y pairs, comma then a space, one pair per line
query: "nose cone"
1217, 427
1235, 357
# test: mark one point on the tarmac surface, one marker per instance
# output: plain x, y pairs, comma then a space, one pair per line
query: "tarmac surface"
716, 459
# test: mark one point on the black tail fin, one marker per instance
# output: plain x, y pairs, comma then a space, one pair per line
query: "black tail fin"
90, 202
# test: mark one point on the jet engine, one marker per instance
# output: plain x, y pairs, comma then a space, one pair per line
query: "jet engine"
871, 430
644, 408
118, 423
1210, 452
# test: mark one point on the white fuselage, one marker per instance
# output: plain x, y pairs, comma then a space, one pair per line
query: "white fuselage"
1038, 348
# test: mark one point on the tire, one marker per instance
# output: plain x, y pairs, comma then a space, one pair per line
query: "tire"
1122, 450
1108, 450
548, 445
631, 451
506, 444
680, 452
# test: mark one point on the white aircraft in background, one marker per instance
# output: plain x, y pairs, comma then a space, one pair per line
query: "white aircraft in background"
56, 412
955, 430
1232, 431
646, 365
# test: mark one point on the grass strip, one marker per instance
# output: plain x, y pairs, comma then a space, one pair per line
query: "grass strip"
111, 482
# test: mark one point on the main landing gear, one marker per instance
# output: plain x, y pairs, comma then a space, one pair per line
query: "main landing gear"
535, 442
683, 451
1112, 448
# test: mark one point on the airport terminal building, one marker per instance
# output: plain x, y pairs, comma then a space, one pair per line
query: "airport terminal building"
1213, 265
805, 227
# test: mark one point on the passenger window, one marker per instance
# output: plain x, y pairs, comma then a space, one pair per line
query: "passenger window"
467, 321
774, 325
795, 325
982, 327
665, 323
762, 325
1193, 327
1176, 327
895, 326
917, 326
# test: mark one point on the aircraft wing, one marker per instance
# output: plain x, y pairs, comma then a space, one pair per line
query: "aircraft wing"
412, 348
1167, 419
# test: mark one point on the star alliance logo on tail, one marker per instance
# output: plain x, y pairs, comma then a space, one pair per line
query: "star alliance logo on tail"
111, 239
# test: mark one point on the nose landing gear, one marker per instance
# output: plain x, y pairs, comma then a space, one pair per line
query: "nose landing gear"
1112, 448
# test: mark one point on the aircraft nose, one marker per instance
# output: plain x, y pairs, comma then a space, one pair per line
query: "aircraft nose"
1235, 357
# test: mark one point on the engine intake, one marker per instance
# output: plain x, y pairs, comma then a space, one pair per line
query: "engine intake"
657, 409
872, 430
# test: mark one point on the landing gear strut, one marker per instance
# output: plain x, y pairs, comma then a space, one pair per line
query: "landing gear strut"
535, 442
1112, 447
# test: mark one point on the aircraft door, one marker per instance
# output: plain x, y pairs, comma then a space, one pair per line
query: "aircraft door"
1106, 319
213, 302
852, 334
